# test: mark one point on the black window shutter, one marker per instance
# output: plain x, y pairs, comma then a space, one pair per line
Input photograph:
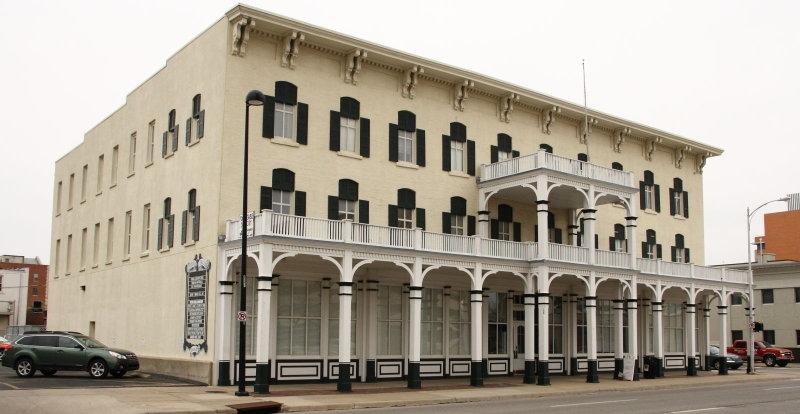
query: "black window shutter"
445, 153
266, 198
363, 211
184, 216
658, 251
268, 125
175, 135
407, 120
421, 147
673, 253
364, 143
392, 216
188, 131
335, 131
517, 231
641, 195
421, 218
471, 157
493, 157
515, 154
536, 234
494, 229
686, 204
170, 230
657, 193
446, 227
672, 205
596, 239
686, 256
471, 225
557, 236
196, 224
611, 243
201, 124
349, 107
300, 203
393, 142
286, 92
333, 208
644, 250
159, 241
302, 124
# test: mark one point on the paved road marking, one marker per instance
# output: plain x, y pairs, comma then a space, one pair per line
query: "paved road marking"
697, 410
590, 403
10, 386
780, 388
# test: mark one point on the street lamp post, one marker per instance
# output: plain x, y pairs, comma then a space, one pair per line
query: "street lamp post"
752, 314
254, 98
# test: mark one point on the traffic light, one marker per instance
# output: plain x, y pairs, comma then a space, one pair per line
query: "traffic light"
758, 327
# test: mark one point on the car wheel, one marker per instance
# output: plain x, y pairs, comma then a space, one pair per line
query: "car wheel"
715, 365
119, 373
769, 360
24, 367
783, 363
98, 368
48, 372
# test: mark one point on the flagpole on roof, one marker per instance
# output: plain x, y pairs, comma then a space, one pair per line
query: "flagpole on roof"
585, 113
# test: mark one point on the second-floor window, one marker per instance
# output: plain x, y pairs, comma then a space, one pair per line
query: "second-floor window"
349, 131
405, 213
680, 254
504, 227
651, 249
767, 296
617, 242
282, 197
406, 142
195, 125
458, 153
679, 199
169, 139
166, 226
284, 116
190, 220
346, 205
456, 221
649, 193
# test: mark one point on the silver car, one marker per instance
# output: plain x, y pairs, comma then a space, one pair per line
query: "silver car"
733, 361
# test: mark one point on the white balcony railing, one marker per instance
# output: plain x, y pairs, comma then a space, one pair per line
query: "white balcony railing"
543, 159
268, 223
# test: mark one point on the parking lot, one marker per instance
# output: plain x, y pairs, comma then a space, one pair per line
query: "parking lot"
10, 381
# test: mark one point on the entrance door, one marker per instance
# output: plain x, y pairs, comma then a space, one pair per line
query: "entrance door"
518, 357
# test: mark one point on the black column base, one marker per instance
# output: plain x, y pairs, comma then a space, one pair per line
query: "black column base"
543, 373
414, 380
573, 366
636, 370
619, 367
484, 368
476, 371
262, 379
691, 367
709, 362
372, 373
723, 365
659, 367
530, 373
591, 376
344, 384
224, 371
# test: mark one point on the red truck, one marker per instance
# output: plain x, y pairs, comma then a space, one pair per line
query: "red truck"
764, 352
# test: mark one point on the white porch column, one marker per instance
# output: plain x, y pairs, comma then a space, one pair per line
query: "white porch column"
345, 327
591, 338
619, 334
658, 336
706, 332
723, 337
633, 330
630, 229
264, 292
225, 319
543, 313
691, 361
476, 330
542, 233
530, 338
415, 331
589, 228
483, 224
371, 336
572, 322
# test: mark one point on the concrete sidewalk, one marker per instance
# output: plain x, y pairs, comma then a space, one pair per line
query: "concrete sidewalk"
312, 397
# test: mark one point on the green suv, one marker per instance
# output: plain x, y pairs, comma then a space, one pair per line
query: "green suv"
51, 351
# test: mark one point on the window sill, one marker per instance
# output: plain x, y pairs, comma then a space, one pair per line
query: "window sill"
82, 269
145, 253
83, 201
193, 142
285, 141
67, 274
407, 165
460, 174
189, 243
348, 154
649, 211
108, 263
94, 266
149, 163
131, 174
126, 259
679, 217
99, 193
112, 185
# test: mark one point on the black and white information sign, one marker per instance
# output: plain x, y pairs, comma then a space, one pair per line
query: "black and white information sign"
196, 327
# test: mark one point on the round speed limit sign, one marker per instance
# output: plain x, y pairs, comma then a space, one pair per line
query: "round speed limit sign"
241, 316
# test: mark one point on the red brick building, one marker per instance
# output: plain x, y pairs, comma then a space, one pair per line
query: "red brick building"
782, 234
36, 314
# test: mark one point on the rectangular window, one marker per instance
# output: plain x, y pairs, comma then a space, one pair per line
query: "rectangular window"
58, 256
737, 334
649, 200
35, 292
556, 316
348, 133
405, 218
459, 318
503, 156
677, 203
620, 246
70, 191
58, 197
96, 245
347, 209
504, 230
457, 224
127, 240
151, 141
114, 165
673, 319
769, 336
100, 163
282, 202
650, 251
797, 295
110, 241
84, 179
432, 322
84, 247
69, 255
405, 146
132, 155
767, 296
457, 155
736, 300
498, 323
797, 337
299, 317
146, 228
390, 320
284, 120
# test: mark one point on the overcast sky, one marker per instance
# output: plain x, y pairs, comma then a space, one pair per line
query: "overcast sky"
724, 73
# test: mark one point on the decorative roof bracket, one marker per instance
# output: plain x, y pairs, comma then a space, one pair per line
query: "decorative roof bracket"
619, 137
291, 48
241, 35
680, 153
507, 106
586, 129
410, 79
650, 147
549, 118
353, 65
461, 93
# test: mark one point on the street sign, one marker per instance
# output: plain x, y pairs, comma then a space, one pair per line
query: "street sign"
241, 316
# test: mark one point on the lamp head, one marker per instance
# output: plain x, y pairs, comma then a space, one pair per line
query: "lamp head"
784, 199
254, 98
